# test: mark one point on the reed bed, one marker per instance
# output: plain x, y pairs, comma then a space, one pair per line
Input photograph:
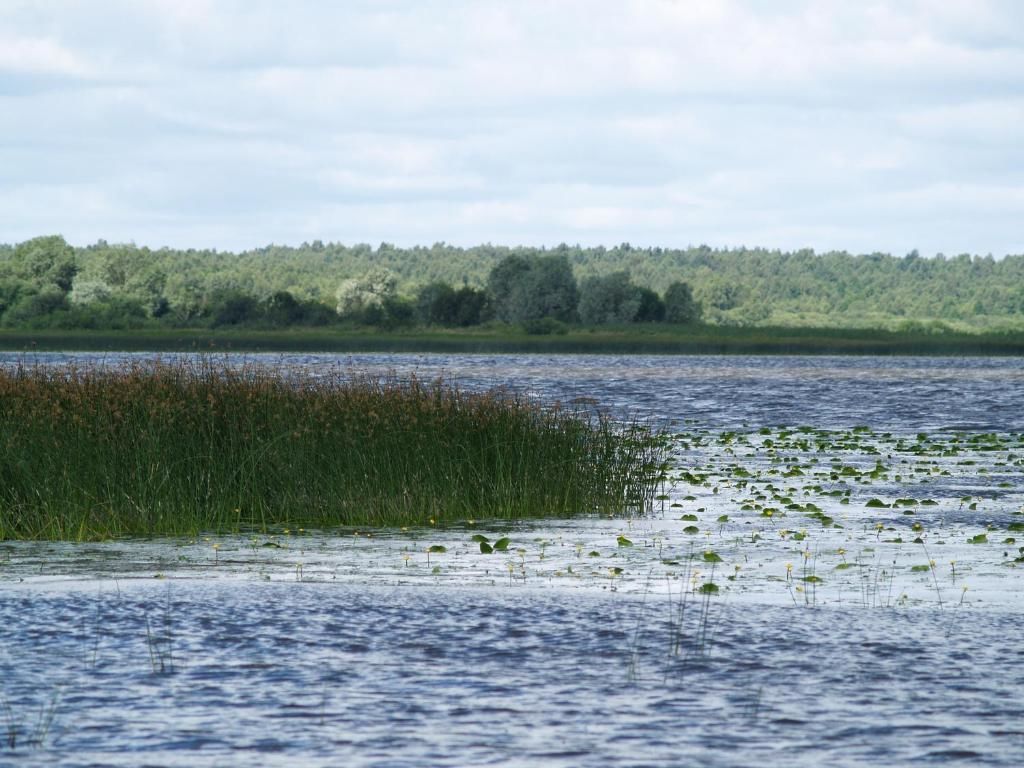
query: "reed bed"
194, 446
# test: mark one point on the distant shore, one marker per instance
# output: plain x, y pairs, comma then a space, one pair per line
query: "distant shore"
696, 340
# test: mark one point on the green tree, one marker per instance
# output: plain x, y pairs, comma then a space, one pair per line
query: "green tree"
356, 295
45, 262
523, 290
680, 306
652, 308
504, 286
609, 299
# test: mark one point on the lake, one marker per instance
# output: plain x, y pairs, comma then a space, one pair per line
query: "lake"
831, 573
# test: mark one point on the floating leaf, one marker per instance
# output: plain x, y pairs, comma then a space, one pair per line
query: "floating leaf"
920, 568
485, 548
981, 538
691, 529
481, 538
844, 566
501, 545
712, 557
688, 517
723, 518
593, 553
876, 504
437, 548
623, 541
812, 579
708, 589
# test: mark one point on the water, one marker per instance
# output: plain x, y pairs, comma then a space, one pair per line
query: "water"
888, 393
362, 648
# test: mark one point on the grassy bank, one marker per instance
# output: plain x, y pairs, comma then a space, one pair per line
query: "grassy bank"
623, 340
89, 454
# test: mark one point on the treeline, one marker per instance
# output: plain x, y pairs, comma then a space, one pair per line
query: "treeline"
45, 282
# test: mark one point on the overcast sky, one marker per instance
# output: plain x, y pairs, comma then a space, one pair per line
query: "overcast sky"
826, 124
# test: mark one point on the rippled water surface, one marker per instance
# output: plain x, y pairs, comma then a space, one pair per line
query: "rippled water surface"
903, 393
891, 637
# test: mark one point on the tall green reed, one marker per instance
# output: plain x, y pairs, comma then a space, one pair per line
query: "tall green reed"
89, 453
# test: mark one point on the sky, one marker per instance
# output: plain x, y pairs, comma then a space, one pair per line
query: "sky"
825, 124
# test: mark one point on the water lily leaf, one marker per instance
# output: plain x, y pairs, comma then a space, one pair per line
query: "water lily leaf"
624, 542
708, 589
691, 529
437, 549
812, 579
485, 548
876, 504
712, 557
688, 517
920, 568
501, 545
481, 538
981, 538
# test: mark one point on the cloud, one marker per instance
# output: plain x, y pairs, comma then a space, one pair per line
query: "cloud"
231, 124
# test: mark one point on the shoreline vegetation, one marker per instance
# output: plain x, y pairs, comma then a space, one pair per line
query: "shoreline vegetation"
97, 452
670, 340
338, 298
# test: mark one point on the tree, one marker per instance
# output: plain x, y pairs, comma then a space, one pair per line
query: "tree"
523, 290
608, 299
45, 262
469, 307
283, 309
356, 295
89, 292
503, 286
652, 308
680, 306
431, 303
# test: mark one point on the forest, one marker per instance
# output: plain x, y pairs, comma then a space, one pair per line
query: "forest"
47, 283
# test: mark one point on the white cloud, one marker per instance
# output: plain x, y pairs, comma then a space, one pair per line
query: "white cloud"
39, 55
870, 126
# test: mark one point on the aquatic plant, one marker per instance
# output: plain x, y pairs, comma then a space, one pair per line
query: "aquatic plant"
91, 453
17, 734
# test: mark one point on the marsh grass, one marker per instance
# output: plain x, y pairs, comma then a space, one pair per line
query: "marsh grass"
167, 449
